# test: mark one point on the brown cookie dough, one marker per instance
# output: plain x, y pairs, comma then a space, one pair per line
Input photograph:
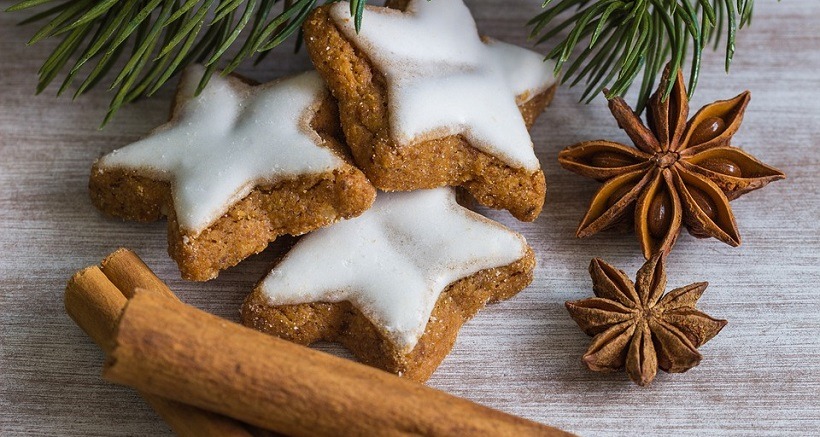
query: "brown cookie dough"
290, 206
395, 284
344, 323
361, 92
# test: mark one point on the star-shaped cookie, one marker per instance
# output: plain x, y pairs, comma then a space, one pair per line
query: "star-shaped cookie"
395, 284
426, 102
235, 167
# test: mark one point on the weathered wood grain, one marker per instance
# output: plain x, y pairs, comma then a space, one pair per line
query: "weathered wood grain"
761, 375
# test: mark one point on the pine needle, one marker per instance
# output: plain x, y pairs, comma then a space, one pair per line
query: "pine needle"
608, 43
614, 40
164, 36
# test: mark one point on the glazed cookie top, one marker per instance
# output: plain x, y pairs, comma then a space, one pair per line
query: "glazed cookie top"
444, 80
226, 140
393, 261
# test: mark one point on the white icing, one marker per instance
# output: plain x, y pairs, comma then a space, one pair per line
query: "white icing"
393, 261
443, 80
227, 140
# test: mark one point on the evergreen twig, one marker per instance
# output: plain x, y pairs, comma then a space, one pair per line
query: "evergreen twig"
164, 36
609, 44
614, 40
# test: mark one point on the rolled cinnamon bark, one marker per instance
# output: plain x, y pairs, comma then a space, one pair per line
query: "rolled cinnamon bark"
95, 304
127, 272
176, 351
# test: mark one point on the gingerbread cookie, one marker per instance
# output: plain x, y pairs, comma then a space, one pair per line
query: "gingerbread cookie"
234, 168
425, 102
395, 284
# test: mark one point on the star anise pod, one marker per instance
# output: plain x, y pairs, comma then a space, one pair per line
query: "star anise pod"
678, 173
636, 328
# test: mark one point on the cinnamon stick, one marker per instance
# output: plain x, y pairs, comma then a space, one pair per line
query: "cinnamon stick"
128, 272
176, 351
95, 303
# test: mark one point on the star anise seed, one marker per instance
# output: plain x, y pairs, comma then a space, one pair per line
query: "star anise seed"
678, 173
638, 328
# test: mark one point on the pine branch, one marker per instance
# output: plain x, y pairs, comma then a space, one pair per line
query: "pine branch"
611, 42
163, 35
615, 39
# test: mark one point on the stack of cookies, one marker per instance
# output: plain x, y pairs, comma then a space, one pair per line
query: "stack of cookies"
359, 156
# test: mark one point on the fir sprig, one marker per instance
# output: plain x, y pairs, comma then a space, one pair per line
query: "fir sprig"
608, 45
163, 36
620, 38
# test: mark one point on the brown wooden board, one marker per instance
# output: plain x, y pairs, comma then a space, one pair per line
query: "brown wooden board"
761, 375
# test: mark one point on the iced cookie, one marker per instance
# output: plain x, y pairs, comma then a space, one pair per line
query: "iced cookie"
234, 168
395, 284
425, 102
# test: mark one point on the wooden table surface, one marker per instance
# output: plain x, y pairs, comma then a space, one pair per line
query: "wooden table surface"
761, 375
